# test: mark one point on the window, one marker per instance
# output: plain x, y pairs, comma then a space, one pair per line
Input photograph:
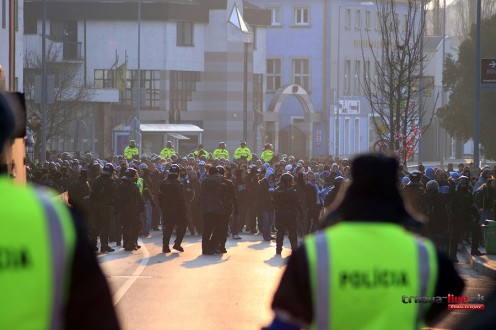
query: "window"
275, 16
301, 75
347, 22
184, 34
405, 22
366, 71
150, 88
358, 67
30, 26
347, 136
16, 15
273, 74
378, 21
347, 72
56, 30
182, 86
104, 78
368, 22
301, 16
358, 19
254, 30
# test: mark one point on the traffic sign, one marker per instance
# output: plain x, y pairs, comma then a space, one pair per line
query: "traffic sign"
488, 70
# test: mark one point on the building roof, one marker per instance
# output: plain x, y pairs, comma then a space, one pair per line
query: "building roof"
170, 128
173, 10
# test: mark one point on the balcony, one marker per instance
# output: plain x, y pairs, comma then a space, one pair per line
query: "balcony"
71, 52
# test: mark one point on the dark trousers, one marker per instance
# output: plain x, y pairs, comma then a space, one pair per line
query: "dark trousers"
239, 220
197, 217
131, 225
223, 230
104, 224
313, 216
286, 221
156, 213
251, 219
172, 219
211, 229
456, 236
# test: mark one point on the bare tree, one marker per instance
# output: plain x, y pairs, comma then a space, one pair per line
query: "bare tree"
465, 12
399, 113
70, 93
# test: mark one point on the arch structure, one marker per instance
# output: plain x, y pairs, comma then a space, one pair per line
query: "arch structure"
311, 116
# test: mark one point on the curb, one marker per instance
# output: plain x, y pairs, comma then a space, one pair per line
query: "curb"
478, 263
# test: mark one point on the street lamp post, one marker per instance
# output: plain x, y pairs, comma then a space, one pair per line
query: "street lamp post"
477, 86
336, 102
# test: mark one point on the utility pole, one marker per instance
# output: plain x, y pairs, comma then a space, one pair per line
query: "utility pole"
477, 86
44, 83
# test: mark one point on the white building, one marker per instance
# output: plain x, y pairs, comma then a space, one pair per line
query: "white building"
11, 46
192, 64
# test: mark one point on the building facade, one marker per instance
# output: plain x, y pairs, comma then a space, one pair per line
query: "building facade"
200, 63
11, 45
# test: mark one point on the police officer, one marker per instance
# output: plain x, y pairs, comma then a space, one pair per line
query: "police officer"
324, 288
267, 153
242, 154
212, 209
48, 272
201, 152
230, 207
130, 205
104, 197
168, 151
173, 205
286, 205
221, 152
131, 152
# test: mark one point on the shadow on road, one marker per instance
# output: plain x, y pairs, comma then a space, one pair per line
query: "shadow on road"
204, 261
162, 257
260, 246
276, 261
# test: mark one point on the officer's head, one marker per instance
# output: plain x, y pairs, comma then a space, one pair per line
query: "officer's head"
287, 179
169, 144
222, 145
200, 146
415, 176
108, 169
221, 170
130, 175
132, 143
463, 182
242, 144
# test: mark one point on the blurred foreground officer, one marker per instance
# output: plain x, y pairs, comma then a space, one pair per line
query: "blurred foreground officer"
360, 272
49, 276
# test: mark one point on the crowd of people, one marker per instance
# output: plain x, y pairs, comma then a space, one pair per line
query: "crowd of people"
211, 195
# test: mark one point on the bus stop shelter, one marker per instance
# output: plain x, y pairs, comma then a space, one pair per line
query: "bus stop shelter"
184, 137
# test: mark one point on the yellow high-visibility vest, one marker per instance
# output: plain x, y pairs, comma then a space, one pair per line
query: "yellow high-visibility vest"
35, 266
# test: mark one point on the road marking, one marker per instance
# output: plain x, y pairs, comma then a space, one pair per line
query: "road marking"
123, 289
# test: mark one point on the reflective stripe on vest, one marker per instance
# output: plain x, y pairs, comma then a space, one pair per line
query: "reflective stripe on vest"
37, 243
366, 268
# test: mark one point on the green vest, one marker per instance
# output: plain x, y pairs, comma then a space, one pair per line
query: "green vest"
242, 152
359, 272
35, 264
197, 153
221, 153
167, 153
140, 185
129, 152
267, 155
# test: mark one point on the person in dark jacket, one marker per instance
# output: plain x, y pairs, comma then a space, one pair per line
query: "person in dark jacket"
104, 197
173, 205
266, 188
212, 208
413, 191
195, 205
436, 211
230, 207
313, 202
465, 218
242, 197
251, 181
131, 204
287, 205
79, 196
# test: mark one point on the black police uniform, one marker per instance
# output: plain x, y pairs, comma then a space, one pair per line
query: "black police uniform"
104, 199
173, 206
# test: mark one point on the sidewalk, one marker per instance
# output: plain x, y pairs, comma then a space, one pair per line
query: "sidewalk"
485, 264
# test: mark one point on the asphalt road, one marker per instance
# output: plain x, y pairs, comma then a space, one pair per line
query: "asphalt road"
186, 290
